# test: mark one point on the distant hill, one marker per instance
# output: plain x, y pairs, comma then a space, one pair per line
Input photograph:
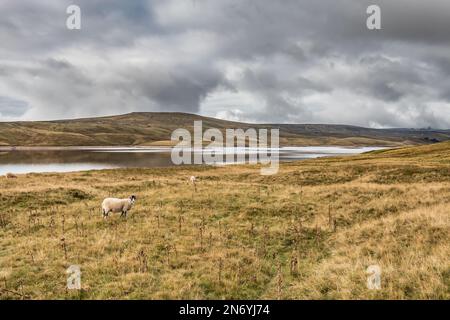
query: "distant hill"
155, 128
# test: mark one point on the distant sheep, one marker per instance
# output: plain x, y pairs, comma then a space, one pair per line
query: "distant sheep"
117, 205
9, 175
193, 180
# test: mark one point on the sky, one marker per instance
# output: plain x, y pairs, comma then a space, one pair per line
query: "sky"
265, 61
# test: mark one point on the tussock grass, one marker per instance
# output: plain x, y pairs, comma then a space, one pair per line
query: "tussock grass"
309, 232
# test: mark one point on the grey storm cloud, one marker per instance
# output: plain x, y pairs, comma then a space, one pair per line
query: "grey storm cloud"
285, 61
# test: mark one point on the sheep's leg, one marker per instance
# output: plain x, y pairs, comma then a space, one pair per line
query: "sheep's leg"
105, 214
124, 214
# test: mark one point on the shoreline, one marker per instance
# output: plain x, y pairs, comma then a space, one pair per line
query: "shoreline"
128, 147
77, 148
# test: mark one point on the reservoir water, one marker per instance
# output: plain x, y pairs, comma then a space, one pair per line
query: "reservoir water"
26, 160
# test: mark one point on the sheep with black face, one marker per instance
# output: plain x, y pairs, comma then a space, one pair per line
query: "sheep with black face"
117, 205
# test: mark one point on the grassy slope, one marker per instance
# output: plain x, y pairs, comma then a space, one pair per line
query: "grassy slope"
241, 235
156, 128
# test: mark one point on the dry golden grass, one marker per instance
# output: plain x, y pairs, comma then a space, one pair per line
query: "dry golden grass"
310, 231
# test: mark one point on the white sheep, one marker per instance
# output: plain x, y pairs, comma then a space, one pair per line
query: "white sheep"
117, 205
193, 179
10, 175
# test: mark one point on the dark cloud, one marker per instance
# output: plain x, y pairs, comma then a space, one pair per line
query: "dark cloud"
252, 60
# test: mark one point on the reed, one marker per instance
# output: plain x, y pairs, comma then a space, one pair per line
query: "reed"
308, 232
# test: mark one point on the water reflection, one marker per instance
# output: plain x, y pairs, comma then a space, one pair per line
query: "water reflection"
78, 159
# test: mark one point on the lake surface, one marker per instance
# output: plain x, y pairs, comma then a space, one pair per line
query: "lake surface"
95, 158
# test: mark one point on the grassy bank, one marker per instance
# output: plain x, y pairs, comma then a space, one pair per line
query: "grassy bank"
310, 231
